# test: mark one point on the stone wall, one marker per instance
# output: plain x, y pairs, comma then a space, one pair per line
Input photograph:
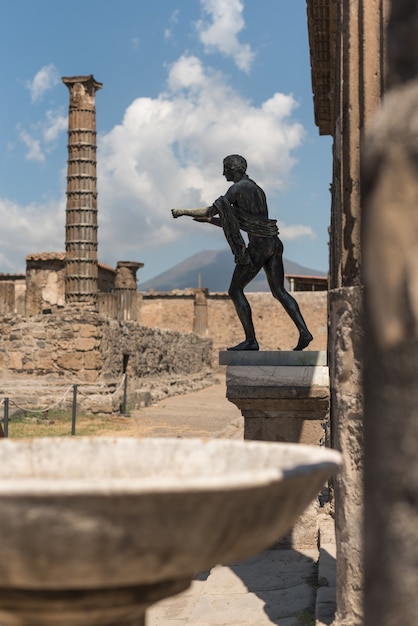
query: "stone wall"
79, 344
275, 330
191, 310
174, 310
44, 287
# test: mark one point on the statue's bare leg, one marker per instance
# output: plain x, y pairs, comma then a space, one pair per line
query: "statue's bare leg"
275, 276
243, 275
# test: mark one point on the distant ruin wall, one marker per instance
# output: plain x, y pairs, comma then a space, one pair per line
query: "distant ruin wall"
168, 310
275, 330
45, 286
12, 295
90, 348
153, 351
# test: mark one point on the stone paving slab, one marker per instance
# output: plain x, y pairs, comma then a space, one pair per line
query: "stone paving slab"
269, 570
273, 587
203, 413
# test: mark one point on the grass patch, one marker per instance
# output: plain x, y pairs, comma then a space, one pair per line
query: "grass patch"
57, 423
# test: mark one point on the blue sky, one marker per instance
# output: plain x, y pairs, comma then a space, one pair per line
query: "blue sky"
185, 82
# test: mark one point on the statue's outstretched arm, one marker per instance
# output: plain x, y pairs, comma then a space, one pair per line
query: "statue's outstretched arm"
216, 221
196, 213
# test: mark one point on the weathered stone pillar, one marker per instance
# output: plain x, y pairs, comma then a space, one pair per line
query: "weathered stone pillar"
81, 212
345, 361
126, 289
359, 84
200, 318
390, 253
7, 298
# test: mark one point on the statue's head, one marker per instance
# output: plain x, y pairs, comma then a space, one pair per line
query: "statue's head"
236, 163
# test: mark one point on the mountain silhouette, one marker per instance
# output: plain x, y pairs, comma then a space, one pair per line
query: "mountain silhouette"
213, 269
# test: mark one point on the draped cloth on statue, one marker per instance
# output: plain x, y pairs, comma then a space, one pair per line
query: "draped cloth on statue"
234, 220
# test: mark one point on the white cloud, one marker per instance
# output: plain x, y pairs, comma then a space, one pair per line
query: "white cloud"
29, 229
220, 34
174, 18
54, 125
168, 152
43, 135
33, 145
290, 232
45, 79
186, 73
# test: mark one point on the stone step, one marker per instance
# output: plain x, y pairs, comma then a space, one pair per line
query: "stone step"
28, 393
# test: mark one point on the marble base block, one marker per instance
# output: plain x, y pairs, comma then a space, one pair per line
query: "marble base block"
283, 396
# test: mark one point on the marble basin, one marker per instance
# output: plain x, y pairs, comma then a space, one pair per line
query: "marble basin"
94, 530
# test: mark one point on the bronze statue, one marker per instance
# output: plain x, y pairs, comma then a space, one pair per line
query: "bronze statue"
244, 207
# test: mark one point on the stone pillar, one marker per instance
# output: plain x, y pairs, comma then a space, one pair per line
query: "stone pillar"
345, 360
126, 289
81, 213
359, 84
7, 298
390, 252
200, 318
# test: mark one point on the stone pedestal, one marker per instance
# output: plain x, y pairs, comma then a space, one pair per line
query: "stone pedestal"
283, 396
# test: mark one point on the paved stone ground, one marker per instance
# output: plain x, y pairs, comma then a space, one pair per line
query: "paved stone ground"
273, 587
280, 586
203, 413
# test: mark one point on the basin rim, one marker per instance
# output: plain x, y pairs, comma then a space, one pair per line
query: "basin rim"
310, 458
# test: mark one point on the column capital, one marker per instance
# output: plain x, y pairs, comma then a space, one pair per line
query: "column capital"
82, 90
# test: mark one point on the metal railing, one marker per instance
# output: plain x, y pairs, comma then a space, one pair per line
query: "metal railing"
7, 402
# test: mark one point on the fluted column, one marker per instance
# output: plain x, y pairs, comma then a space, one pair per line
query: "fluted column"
81, 212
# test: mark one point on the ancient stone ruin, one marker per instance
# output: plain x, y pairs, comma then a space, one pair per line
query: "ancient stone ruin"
359, 56
72, 319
